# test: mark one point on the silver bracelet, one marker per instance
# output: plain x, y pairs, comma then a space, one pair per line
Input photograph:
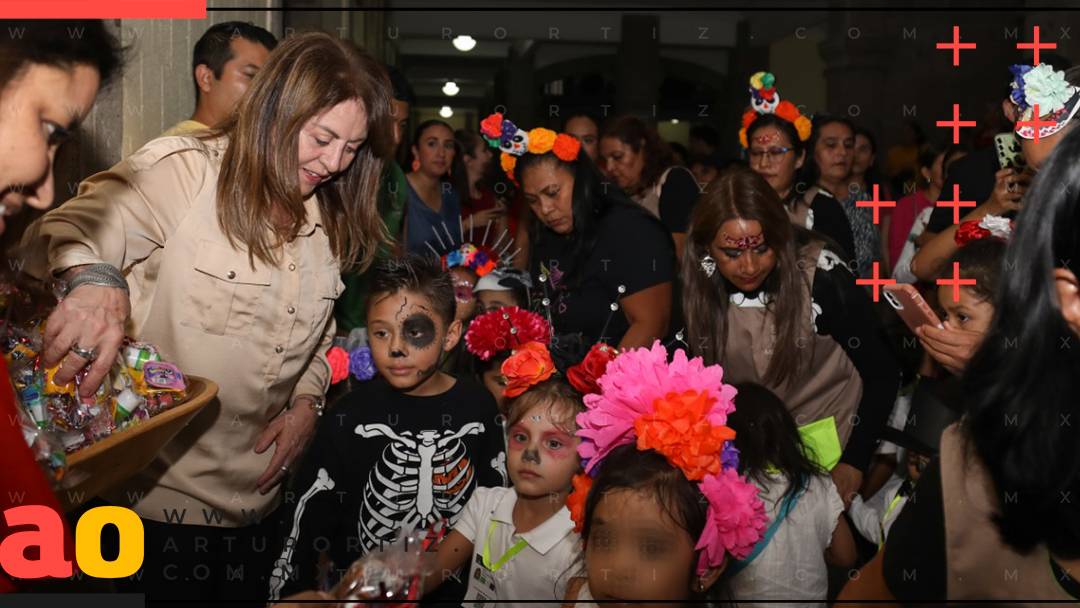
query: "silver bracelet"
105, 275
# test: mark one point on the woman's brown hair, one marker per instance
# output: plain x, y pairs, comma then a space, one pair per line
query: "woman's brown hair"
740, 193
305, 76
641, 136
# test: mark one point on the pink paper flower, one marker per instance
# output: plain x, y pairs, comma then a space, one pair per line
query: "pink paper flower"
629, 388
736, 519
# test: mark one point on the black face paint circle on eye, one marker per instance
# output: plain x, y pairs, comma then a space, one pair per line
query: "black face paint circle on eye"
418, 330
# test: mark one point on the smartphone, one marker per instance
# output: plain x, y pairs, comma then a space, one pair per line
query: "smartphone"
911, 306
1010, 154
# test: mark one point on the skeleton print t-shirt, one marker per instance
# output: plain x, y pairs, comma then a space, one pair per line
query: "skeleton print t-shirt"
383, 462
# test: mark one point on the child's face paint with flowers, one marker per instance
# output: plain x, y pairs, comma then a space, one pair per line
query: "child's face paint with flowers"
541, 457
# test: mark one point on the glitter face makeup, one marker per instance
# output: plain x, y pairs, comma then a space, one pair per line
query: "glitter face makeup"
746, 242
764, 139
541, 458
463, 291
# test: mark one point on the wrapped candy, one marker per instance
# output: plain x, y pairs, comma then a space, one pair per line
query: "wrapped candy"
390, 577
48, 452
138, 354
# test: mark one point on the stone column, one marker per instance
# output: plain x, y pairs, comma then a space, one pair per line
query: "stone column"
637, 75
522, 90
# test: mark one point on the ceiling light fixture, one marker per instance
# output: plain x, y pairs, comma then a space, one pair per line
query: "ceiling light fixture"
464, 43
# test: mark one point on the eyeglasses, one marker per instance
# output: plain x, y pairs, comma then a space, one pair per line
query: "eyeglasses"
774, 154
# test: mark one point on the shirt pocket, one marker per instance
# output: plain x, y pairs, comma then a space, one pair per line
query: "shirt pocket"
328, 287
223, 292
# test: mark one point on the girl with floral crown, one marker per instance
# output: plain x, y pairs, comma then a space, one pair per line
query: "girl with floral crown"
520, 542
661, 508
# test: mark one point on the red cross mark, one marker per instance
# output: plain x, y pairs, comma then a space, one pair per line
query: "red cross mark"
876, 282
1035, 123
956, 282
956, 45
956, 123
1035, 46
876, 204
956, 203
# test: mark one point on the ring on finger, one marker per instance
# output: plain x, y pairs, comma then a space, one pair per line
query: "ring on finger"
286, 470
90, 355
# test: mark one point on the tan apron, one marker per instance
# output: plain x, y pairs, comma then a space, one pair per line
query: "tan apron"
799, 210
980, 565
827, 383
649, 198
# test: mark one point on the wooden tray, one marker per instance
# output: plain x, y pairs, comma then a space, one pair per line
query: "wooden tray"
112, 460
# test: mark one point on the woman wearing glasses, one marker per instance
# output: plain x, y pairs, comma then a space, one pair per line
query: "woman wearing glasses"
777, 151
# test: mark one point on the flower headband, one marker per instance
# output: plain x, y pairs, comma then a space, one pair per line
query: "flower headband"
503, 134
990, 226
505, 329
476, 258
679, 409
1046, 87
530, 364
765, 100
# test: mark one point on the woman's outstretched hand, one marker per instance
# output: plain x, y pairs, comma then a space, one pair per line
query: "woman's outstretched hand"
93, 318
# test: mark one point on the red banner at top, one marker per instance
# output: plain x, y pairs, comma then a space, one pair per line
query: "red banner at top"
103, 9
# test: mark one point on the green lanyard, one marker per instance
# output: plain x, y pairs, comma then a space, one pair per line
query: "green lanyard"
902, 492
521, 544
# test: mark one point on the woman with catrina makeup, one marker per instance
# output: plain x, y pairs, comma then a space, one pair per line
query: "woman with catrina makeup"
771, 304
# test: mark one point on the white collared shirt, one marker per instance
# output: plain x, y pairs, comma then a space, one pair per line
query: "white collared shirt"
540, 571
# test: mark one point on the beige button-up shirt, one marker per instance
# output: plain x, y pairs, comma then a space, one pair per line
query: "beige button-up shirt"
260, 333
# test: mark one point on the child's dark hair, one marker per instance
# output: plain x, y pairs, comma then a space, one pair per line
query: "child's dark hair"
981, 260
767, 438
419, 274
649, 472
563, 401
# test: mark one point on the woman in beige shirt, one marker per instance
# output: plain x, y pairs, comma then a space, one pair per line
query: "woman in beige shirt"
232, 244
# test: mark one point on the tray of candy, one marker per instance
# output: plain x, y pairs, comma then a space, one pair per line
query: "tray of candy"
102, 465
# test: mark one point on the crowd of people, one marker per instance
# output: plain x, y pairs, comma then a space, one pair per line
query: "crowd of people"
606, 367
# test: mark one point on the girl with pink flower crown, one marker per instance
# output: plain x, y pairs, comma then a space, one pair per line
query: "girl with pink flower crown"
662, 509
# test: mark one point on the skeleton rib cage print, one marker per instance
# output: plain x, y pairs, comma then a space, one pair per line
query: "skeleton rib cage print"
418, 481
383, 464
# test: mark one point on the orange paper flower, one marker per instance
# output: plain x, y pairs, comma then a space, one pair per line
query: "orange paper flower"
748, 118
803, 126
541, 140
679, 430
742, 138
508, 162
566, 147
575, 501
787, 111
529, 365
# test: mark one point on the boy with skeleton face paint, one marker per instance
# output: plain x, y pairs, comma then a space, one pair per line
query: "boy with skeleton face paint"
402, 452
